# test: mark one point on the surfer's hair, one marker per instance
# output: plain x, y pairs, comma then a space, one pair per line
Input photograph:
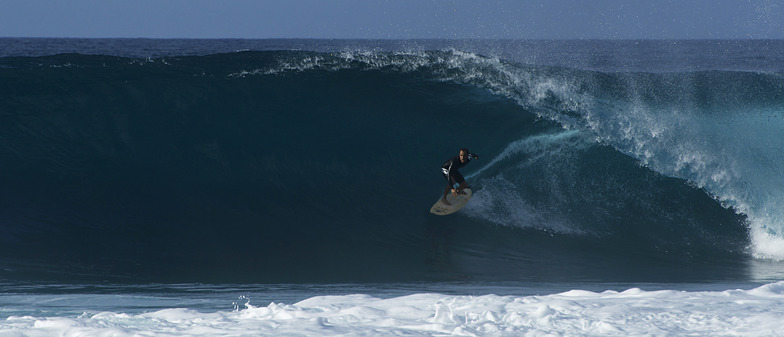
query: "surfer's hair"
465, 150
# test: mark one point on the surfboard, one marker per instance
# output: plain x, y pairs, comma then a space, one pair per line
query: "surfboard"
440, 208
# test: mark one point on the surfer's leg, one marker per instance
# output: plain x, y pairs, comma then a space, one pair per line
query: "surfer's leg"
454, 182
460, 180
446, 192
463, 186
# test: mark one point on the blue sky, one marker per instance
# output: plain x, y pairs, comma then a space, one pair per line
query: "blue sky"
402, 19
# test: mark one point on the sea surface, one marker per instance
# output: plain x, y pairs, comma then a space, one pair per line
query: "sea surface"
282, 187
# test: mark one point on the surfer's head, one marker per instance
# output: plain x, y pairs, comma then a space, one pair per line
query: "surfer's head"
464, 155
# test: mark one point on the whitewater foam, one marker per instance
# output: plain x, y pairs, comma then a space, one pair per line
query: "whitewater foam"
632, 312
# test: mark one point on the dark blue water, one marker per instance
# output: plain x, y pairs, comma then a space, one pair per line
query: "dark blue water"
298, 161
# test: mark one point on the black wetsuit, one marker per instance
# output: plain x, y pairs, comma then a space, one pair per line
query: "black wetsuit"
451, 167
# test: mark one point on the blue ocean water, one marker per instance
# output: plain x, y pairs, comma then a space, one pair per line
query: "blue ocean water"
140, 175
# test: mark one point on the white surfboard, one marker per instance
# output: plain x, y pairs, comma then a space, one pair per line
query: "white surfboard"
440, 208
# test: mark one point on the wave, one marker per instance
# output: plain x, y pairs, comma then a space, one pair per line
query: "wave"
302, 166
708, 114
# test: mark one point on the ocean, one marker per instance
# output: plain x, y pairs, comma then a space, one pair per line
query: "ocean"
282, 187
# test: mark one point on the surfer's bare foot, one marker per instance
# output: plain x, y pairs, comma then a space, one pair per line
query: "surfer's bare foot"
454, 193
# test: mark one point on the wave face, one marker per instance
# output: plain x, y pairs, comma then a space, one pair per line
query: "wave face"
295, 166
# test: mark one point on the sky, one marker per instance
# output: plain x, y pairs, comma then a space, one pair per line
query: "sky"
390, 19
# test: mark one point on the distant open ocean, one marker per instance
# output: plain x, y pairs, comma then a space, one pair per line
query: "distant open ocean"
282, 187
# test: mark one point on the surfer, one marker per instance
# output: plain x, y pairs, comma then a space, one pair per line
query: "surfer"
455, 181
